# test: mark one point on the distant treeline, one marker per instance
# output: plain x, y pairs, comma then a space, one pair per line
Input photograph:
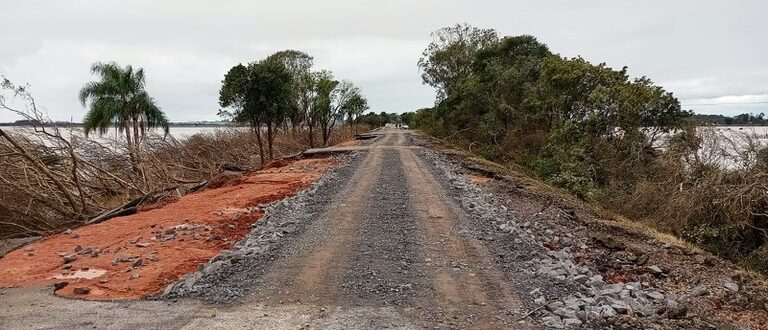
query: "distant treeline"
743, 119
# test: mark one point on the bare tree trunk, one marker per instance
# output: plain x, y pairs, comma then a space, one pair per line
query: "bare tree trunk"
270, 138
136, 139
327, 130
131, 150
311, 136
261, 145
76, 179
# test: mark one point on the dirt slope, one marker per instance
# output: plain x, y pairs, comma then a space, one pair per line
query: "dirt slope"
139, 255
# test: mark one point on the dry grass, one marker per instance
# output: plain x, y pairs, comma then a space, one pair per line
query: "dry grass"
50, 182
706, 189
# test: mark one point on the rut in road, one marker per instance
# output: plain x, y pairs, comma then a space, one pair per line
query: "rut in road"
390, 242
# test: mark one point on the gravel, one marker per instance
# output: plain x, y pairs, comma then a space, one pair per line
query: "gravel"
574, 293
234, 273
539, 258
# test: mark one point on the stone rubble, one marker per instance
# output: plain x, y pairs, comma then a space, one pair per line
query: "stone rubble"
281, 219
589, 299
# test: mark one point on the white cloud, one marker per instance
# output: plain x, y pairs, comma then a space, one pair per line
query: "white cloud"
699, 50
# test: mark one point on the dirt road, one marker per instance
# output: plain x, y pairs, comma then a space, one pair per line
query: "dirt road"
394, 237
387, 250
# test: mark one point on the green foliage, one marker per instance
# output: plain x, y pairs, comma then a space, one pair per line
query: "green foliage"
380, 119
511, 99
597, 132
408, 118
119, 99
257, 94
449, 56
261, 94
283, 89
299, 65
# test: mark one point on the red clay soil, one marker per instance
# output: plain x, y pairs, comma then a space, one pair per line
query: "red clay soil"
140, 255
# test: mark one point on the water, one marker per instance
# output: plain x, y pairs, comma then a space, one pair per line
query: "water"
730, 146
177, 132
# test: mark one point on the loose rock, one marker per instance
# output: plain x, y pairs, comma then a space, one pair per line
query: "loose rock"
82, 290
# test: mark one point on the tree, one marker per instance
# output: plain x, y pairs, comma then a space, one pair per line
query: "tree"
354, 107
332, 98
298, 65
450, 55
408, 118
119, 99
258, 95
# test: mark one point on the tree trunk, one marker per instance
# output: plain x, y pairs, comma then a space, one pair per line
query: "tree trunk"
311, 136
270, 138
261, 145
327, 133
136, 136
131, 150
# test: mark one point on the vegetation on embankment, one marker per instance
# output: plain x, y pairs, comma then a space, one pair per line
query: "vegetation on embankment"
622, 142
51, 180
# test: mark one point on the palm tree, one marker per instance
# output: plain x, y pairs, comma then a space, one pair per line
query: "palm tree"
120, 100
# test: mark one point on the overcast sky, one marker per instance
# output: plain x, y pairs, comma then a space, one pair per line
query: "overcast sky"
706, 52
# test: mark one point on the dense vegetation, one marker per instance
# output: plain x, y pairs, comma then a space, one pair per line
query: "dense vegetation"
283, 90
595, 131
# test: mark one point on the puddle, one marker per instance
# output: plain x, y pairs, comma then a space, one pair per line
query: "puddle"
86, 274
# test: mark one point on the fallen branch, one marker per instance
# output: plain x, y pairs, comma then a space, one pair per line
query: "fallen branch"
530, 313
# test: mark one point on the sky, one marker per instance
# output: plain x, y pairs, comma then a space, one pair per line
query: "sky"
713, 55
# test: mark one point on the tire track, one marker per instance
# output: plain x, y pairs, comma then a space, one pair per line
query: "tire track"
306, 277
466, 286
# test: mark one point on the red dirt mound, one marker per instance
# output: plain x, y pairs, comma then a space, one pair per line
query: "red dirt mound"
139, 255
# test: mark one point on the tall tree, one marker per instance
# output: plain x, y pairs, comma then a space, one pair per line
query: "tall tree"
258, 95
354, 107
325, 114
298, 65
332, 98
450, 55
119, 99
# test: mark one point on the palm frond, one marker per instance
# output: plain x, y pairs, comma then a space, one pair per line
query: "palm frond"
118, 99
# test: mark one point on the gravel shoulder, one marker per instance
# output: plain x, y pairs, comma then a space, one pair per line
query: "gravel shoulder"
578, 260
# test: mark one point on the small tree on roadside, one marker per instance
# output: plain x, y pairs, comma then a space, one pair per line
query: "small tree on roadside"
325, 113
354, 107
333, 97
258, 95
298, 65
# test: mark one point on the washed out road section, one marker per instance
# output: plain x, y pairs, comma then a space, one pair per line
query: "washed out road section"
140, 255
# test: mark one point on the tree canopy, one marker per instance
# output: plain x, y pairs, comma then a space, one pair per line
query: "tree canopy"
512, 99
283, 89
119, 99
